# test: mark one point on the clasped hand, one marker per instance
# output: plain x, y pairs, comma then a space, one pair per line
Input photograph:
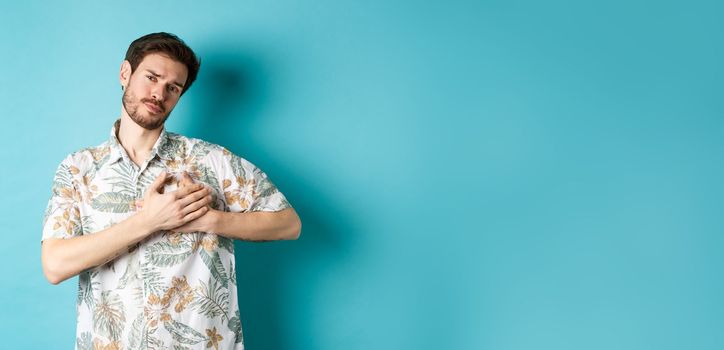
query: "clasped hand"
183, 210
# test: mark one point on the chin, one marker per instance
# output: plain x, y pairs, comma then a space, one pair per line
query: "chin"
150, 122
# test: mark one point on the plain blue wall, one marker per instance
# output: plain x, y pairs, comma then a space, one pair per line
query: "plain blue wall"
470, 174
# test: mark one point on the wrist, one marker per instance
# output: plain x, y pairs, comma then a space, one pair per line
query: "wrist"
142, 225
215, 222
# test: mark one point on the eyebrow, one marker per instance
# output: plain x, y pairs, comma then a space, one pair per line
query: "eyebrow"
159, 75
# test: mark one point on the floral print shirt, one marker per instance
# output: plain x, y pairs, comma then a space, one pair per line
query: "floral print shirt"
171, 290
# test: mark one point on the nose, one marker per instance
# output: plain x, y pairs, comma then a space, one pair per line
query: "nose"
158, 92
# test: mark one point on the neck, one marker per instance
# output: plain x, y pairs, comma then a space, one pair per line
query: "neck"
136, 140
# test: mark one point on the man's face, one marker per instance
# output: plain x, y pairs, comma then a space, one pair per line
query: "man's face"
153, 89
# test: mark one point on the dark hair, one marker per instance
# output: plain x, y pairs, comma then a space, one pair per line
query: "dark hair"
169, 45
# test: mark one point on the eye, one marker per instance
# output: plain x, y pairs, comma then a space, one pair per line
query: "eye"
172, 88
151, 78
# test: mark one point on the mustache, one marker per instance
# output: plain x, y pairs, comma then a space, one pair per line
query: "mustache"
154, 102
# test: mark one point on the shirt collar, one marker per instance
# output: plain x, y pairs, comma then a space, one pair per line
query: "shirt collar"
117, 152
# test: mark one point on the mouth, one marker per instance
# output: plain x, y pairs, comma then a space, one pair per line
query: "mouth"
152, 108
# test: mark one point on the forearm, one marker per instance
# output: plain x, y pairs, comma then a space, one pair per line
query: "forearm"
65, 258
257, 226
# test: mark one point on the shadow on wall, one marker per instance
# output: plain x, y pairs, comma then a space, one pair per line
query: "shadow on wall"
231, 96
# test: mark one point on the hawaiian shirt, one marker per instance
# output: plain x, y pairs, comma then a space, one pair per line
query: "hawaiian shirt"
170, 290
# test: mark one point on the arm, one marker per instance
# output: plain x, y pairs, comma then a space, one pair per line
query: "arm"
248, 226
65, 258
256, 226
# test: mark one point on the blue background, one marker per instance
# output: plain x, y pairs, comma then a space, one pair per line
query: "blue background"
469, 174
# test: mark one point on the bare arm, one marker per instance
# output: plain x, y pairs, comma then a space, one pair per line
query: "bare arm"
249, 226
257, 226
65, 258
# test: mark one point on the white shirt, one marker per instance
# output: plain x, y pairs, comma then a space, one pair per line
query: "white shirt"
171, 290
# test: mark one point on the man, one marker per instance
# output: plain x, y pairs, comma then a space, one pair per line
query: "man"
146, 219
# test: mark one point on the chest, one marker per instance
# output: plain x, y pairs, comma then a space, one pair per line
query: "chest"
111, 193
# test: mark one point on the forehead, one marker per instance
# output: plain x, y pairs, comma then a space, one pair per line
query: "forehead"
164, 66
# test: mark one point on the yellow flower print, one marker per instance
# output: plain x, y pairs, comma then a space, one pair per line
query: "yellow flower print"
68, 219
210, 242
242, 194
174, 237
214, 338
100, 345
155, 310
180, 165
90, 190
99, 153
181, 292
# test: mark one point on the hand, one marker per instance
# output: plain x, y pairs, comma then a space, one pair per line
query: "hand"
202, 224
164, 211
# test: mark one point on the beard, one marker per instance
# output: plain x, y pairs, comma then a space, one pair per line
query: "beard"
146, 121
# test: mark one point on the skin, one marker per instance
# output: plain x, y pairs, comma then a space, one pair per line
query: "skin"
150, 94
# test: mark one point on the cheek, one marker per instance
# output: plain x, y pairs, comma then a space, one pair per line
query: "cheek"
171, 102
136, 91
141, 85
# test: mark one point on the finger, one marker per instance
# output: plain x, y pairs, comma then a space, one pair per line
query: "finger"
184, 181
193, 196
186, 190
195, 215
160, 180
201, 202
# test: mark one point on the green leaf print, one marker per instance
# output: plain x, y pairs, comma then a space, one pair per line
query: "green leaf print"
226, 243
232, 273
84, 342
211, 300
183, 333
235, 326
174, 148
108, 315
124, 181
152, 280
148, 176
164, 254
112, 202
200, 149
138, 337
63, 177
213, 262
131, 274
208, 176
85, 289
266, 188
87, 224
237, 165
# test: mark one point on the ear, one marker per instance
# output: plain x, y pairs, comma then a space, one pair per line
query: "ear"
125, 75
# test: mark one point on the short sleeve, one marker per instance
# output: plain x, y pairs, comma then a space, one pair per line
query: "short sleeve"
62, 215
247, 188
